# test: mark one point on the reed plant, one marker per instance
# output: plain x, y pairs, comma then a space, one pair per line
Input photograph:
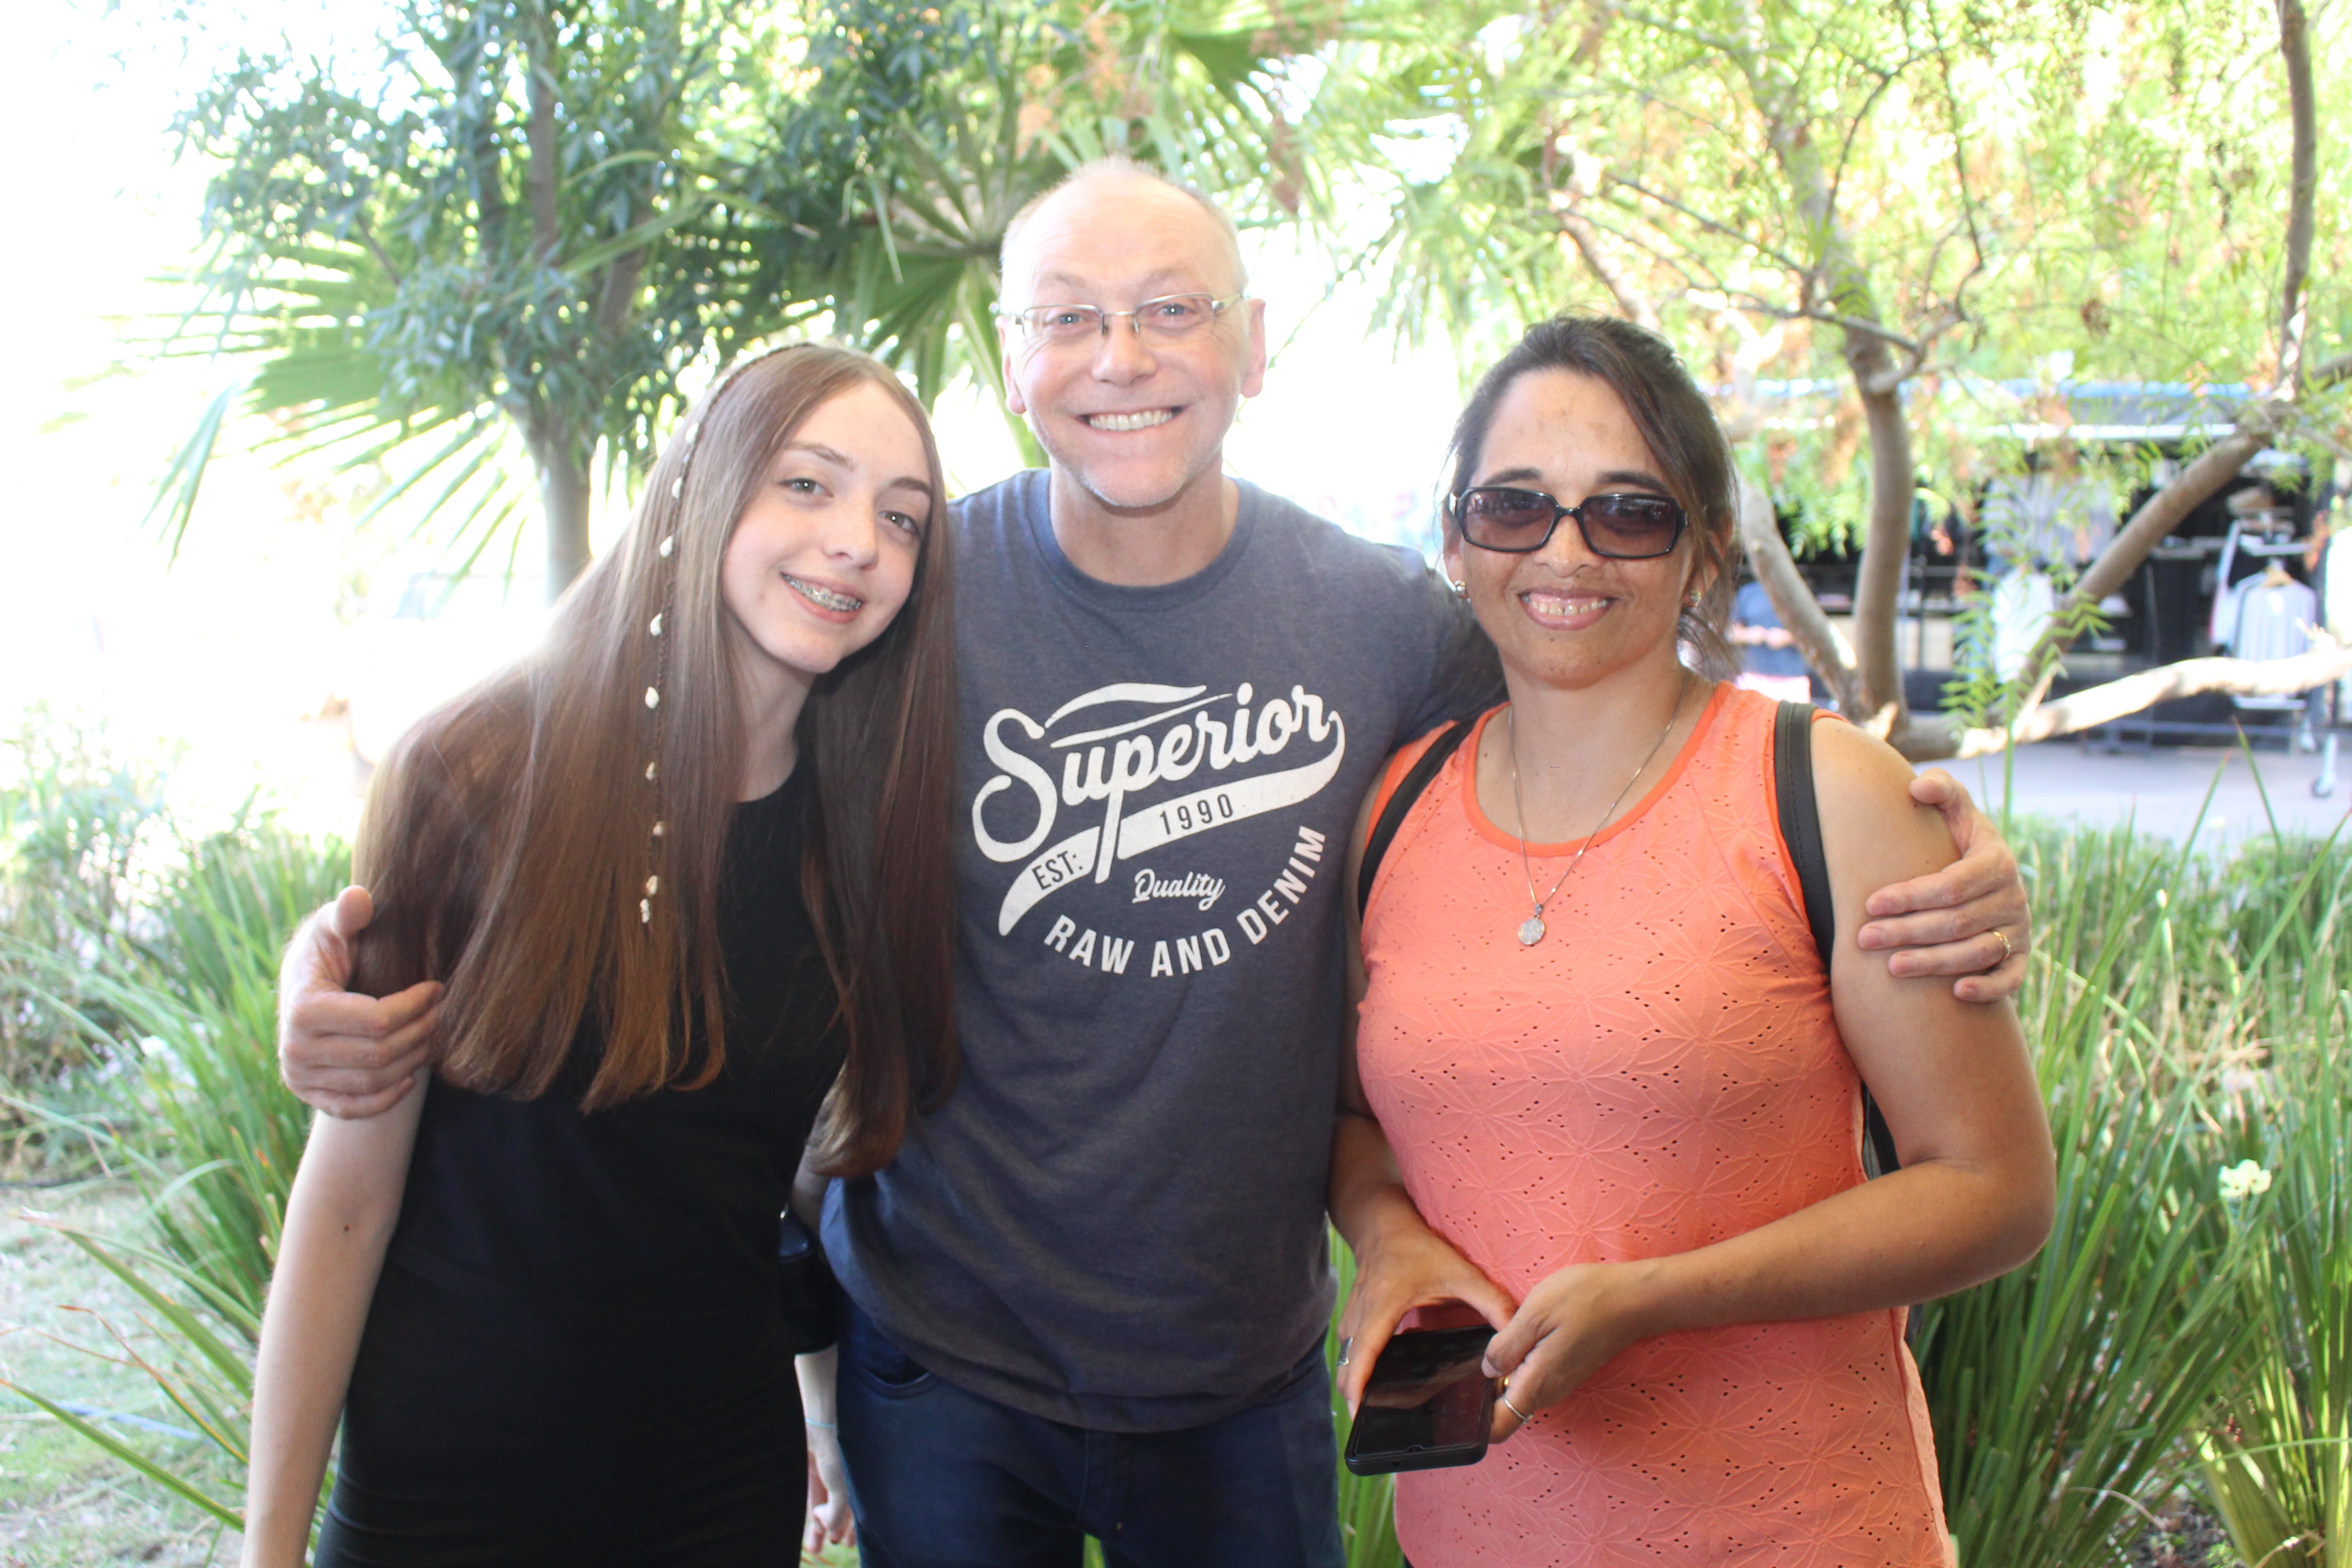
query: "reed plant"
205, 1011
189, 1007
2278, 1465
2175, 994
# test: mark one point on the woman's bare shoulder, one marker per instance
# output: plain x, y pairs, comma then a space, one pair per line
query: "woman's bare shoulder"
1868, 817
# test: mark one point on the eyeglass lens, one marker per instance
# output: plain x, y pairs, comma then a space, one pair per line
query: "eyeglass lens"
1627, 527
1172, 317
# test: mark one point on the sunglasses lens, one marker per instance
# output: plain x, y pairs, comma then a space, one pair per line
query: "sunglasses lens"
1632, 526
1506, 517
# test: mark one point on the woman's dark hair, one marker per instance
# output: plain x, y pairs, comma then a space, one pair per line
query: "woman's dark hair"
1676, 424
510, 836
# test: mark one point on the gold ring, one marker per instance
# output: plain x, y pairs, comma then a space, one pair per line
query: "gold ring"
2006, 952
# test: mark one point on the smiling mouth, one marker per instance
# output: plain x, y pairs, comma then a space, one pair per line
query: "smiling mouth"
824, 597
1143, 419
1562, 606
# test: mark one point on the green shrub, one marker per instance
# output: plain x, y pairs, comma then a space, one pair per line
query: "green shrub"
190, 1010
204, 1008
74, 822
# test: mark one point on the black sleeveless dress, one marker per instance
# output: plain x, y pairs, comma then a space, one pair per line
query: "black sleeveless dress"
577, 1354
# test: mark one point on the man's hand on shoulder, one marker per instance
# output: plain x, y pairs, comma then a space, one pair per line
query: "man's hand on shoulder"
1969, 920
348, 1054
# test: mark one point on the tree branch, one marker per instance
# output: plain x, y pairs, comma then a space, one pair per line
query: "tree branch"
1714, 41
1892, 378
2157, 517
1767, 556
2104, 704
1886, 79
619, 288
2295, 50
2219, 463
1916, 348
542, 175
1634, 305
1706, 222
1959, 147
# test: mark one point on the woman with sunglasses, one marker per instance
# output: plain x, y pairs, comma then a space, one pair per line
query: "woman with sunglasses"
685, 874
1596, 1049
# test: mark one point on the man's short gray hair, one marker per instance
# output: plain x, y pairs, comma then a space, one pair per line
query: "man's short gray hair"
1115, 167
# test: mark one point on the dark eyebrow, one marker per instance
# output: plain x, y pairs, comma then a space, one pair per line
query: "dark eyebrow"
1637, 477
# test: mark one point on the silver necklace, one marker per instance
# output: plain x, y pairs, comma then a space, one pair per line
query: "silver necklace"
1531, 930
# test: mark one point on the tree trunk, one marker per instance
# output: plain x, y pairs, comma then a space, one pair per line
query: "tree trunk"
2294, 53
1878, 588
1894, 479
563, 504
563, 498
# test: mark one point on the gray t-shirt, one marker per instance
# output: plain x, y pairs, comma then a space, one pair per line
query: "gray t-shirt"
1116, 1220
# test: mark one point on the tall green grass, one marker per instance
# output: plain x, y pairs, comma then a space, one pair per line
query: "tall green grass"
2061, 1394
186, 1009
2279, 1465
2185, 1009
204, 1009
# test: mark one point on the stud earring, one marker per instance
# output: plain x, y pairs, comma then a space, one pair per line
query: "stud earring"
1461, 590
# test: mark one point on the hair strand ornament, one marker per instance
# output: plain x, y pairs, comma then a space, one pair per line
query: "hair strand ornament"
666, 549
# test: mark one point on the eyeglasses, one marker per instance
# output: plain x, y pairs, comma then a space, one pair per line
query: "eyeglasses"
1623, 528
1168, 318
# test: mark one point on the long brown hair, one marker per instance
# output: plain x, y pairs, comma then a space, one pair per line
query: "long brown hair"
548, 844
1674, 421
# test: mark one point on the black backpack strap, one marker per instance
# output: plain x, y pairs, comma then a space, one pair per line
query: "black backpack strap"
1801, 829
1392, 812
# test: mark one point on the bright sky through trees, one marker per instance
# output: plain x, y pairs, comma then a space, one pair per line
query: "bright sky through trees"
226, 652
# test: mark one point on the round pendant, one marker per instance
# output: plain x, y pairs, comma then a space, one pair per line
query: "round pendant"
1531, 931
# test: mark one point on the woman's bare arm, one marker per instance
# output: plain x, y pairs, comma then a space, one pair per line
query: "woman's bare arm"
1973, 1198
339, 1220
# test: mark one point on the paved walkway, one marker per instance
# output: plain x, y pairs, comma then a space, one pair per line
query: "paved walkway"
2161, 791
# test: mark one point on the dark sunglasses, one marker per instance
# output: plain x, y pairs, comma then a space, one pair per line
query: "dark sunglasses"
1623, 528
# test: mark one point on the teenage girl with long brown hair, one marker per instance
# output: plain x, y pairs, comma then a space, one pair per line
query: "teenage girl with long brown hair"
686, 876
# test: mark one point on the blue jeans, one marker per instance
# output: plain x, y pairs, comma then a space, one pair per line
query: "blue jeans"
943, 1478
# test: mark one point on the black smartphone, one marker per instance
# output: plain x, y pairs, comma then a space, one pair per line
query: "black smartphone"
1427, 1403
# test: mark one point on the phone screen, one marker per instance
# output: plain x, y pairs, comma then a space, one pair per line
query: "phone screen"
1427, 1403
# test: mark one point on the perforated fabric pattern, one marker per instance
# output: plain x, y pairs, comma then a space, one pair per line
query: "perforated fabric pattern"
1661, 1072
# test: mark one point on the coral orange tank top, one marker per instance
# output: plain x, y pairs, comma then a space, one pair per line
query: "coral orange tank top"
1660, 1072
